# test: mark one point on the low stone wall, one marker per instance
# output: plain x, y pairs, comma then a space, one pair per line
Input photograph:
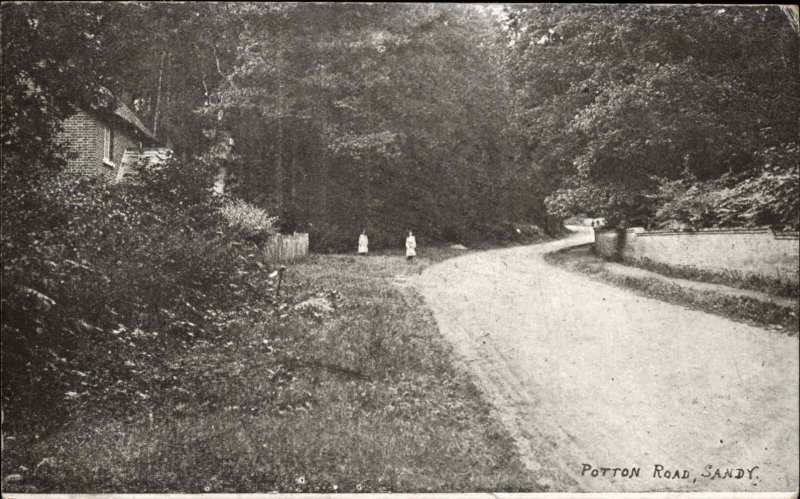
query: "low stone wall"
286, 248
758, 252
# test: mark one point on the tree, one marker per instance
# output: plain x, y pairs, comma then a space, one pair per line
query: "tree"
384, 116
51, 62
168, 59
651, 94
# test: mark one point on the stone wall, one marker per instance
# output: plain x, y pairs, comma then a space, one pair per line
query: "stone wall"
750, 252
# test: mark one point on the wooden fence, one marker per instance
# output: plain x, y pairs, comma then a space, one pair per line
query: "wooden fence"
286, 248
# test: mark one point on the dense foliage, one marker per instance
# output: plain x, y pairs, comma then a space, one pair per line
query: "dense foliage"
50, 64
96, 276
657, 115
444, 119
378, 117
454, 121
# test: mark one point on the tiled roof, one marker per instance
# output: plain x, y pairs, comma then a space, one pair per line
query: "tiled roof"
106, 100
126, 114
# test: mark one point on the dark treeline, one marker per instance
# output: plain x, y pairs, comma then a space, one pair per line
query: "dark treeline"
377, 117
444, 119
679, 116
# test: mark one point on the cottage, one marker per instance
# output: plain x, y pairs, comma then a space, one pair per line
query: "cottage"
99, 138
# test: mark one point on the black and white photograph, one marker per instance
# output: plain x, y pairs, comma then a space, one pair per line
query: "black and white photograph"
408, 248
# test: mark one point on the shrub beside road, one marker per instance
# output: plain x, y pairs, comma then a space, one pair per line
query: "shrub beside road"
343, 385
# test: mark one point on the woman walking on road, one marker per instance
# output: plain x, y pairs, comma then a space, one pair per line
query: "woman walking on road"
363, 243
411, 247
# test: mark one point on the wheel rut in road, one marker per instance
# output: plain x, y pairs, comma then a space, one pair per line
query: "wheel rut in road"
583, 373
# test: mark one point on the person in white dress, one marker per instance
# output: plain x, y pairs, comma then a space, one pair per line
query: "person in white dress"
411, 246
363, 243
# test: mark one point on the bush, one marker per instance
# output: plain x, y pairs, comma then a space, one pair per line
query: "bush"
769, 196
251, 222
181, 183
96, 276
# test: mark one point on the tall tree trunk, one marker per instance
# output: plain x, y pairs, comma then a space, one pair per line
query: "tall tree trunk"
367, 214
293, 183
279, 173
158, 93
324, 180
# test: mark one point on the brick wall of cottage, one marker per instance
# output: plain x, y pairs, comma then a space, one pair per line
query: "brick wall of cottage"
83, 134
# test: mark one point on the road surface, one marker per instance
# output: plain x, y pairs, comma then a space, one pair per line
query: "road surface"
587, 376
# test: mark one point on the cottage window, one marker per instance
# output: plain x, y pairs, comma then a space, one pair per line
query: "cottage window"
108, 146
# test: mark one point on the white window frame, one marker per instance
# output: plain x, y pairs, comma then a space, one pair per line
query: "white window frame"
108, 146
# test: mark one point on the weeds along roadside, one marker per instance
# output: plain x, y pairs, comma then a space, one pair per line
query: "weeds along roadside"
146, 349
742, 308
775, 287
344, 385
99, 280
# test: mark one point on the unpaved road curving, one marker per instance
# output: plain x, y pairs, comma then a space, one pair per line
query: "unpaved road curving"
581, 372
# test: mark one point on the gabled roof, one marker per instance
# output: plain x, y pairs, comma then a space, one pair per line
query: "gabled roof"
128, 116
104, 103
107, 102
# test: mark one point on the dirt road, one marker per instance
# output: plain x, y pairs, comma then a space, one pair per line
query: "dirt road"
584, 374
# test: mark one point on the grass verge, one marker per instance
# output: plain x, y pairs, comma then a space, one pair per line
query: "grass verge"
343, 386
735, 279
740, 308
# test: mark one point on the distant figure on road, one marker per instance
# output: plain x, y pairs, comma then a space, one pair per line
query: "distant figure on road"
363, 243
411, 246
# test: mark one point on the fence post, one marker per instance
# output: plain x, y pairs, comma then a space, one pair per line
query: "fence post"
281, 270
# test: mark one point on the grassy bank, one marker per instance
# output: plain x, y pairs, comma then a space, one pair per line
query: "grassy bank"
777, 287
763, 313
343, 386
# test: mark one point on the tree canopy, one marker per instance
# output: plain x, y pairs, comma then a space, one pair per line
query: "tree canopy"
440, 118
618, 104
385, 117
